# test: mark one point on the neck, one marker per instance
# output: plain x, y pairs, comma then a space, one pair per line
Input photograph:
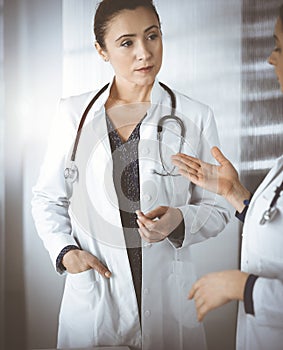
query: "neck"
130, 93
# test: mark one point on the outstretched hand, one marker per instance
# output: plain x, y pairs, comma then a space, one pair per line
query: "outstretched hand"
215, 178
222, 179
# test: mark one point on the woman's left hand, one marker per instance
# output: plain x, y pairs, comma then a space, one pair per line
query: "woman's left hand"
157, 224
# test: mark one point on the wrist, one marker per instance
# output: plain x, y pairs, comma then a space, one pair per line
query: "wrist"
59, 261
238, 283
69, 256
237, 195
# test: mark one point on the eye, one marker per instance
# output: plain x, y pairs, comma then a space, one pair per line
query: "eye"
277, 49
152, 36
126, 43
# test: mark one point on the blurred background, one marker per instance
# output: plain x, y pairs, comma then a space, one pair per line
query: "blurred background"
215, 51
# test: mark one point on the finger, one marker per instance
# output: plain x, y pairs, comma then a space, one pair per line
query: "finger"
192, 292
148, 218
178, 162
201, 312
182, 166
157, 212
189, 172
219, 156
143, 237
99, 267
199, 302
193, 178
189, 161
195, 290
143, 230
144, 221
187, 157
150, 237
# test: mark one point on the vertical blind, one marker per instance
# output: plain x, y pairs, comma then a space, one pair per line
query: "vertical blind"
1, 176
262, 101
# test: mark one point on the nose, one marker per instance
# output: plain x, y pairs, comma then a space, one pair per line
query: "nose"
271, 59
143, 53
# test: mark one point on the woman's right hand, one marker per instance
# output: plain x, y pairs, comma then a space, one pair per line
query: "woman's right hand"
77, 260
222, 179
216, 289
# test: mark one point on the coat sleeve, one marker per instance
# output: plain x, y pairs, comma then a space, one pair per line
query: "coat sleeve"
50, 200
205, 215
268, 301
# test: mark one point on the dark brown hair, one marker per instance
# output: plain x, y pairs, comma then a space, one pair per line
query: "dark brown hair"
108, 9
281, 14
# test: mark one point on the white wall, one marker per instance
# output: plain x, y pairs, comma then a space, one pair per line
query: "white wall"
33, 77
202, 58
45, 69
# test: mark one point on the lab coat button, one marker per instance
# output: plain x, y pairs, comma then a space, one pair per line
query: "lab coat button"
147, 313
146, 291
145, 151
147, 197
147, 245
146, 337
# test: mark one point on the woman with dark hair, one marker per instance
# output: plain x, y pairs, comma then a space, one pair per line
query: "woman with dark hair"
259, 285
85, 209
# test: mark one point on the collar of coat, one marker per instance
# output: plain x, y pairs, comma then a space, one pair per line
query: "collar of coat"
158, 96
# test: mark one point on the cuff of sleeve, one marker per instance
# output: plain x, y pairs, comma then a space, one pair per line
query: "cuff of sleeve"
248, 294
241, 216
59, 265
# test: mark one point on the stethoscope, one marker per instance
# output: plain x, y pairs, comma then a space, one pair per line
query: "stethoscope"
71, 173
269, 214
160, 124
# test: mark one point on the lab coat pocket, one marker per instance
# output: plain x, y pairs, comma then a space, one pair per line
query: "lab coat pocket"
85, 280
185, 277
77, 322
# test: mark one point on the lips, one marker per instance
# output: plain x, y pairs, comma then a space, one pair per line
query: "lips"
146, 69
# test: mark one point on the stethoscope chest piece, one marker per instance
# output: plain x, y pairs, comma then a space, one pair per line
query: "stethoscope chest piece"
71, 174
268, 215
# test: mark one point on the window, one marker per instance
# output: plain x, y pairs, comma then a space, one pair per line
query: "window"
83, 69
262, 107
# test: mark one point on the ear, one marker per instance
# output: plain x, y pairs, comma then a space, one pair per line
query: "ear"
102, 53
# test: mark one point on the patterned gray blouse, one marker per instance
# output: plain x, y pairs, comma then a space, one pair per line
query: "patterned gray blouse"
126, 181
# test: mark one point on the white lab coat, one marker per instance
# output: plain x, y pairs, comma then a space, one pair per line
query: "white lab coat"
262, 255
98, 311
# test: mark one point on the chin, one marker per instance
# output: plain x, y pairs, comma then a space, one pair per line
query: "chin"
146, 81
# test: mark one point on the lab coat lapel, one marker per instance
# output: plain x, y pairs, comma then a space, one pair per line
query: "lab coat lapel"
94, 204
99, 179
278, 167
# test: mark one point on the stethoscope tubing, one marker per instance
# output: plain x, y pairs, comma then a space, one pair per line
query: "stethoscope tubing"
71, 173
82, 121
